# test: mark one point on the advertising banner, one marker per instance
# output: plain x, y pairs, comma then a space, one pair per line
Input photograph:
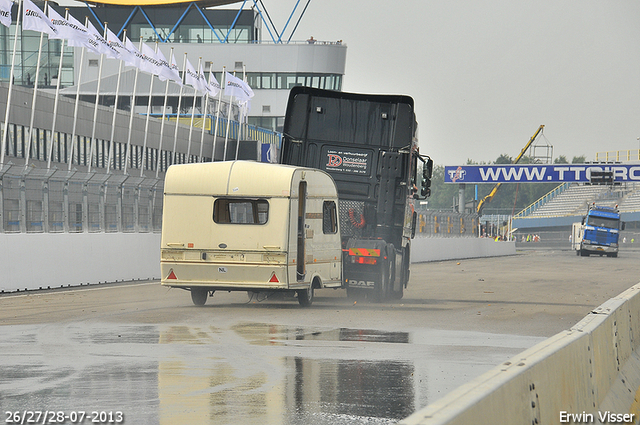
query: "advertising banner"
556, 173
346, 160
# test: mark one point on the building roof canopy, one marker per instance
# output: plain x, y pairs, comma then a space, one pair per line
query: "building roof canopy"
201, 3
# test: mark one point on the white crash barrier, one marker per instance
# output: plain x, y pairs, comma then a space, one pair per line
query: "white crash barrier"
41, 260
440, 249
588, 374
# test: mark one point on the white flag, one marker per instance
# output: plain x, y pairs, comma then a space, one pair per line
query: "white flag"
191, 77
101, 45
92, 44
138, 58
237, 88
115, 43
33, 19
76, 35
212, 87
151, 63
168, 72
175, 69
5, 12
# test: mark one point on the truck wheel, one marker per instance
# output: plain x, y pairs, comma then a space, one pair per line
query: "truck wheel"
198, 296
397, 295
305, 296
383, 290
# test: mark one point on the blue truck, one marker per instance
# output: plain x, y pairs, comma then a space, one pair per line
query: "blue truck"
598, 233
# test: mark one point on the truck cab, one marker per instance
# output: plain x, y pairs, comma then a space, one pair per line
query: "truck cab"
599, 231
368, 143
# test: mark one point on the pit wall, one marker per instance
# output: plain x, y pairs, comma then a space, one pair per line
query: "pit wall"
440, 249
50, 260
41, 260
591, 369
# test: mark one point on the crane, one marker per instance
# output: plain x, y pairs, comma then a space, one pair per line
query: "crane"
495, 189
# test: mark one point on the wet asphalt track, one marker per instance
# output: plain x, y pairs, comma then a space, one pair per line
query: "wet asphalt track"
146, 351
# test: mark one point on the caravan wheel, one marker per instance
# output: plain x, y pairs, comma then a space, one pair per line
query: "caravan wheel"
198, 296
305, 296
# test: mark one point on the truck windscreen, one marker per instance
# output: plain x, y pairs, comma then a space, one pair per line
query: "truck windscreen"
609, 223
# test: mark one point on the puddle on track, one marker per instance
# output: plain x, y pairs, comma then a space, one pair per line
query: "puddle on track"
252, 373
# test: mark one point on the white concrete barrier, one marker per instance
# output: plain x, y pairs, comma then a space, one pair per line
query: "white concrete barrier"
440, 249
588, 374
41, 260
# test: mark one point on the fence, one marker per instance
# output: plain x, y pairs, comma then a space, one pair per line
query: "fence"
53, 201
446, 224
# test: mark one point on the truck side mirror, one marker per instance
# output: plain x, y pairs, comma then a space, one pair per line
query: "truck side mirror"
425, 190
427, 169
425, 182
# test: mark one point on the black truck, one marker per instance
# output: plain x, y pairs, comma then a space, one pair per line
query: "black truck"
368, 144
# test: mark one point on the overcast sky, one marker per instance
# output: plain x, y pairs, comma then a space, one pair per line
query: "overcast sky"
485, 74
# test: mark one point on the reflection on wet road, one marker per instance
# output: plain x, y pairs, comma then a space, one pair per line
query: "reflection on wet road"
248, 373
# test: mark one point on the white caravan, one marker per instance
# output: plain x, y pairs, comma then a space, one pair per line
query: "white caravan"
250, 226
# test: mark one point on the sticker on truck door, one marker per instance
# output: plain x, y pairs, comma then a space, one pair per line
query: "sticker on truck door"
346, 160
222, 269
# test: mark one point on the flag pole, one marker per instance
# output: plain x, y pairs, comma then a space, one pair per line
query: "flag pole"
75, 109
204, 115
95, 107
133, 106
215, 131
56, 98
8, 106
34, 98
240, 114
164, 116
226, 136
175, 135
115, 109
146, 124
193, 112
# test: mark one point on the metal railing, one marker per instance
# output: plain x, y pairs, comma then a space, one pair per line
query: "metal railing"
540, 202
54, 201
447, 224
618, 156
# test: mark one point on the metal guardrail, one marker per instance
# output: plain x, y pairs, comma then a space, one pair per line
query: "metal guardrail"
546, 198
55, 201
447, 224
618, 156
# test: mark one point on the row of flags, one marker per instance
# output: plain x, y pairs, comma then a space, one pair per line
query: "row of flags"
145, 58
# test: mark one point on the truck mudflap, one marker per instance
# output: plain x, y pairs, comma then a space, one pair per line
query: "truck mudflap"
369, 269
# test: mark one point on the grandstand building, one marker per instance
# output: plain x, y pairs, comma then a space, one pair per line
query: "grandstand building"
109, 177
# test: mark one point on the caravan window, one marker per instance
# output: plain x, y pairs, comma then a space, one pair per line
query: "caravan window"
329, 217
240, 211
